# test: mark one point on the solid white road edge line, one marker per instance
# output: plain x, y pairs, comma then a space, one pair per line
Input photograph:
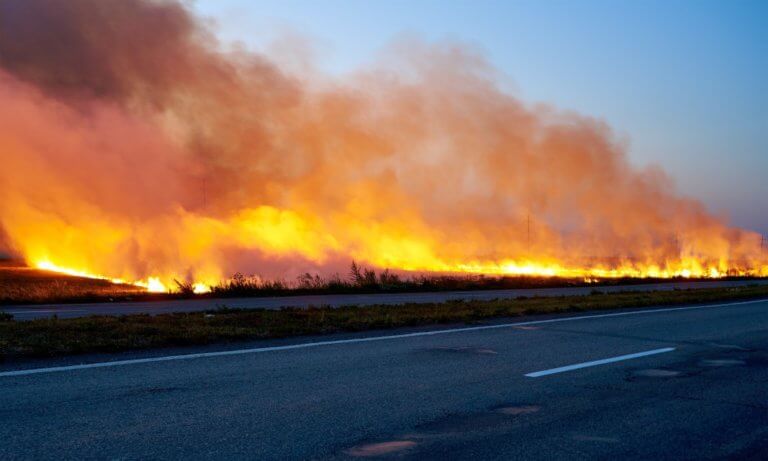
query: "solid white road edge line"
594, 363
117, 363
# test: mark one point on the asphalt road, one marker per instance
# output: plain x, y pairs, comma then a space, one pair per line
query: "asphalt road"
671, 383
28, 312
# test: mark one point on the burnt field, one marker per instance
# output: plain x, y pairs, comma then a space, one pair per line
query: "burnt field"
20, 284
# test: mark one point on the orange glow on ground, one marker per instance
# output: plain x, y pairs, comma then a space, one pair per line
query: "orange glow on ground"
686, 269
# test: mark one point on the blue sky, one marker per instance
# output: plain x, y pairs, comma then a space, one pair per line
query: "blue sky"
686, 82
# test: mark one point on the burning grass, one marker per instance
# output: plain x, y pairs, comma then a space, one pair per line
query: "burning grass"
25, 285
365, 280
419, 162
20, 284
56, 337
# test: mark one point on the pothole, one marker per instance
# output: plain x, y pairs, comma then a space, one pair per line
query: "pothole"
591, 438
722, 363
465, 423
467, 426
731, 346
518, 410
380, 449
151, 390
466, 350
501, 417
657, 373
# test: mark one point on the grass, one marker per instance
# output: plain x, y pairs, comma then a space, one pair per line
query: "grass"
24, 285
56, 337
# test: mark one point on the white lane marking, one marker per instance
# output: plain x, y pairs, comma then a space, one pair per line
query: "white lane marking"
256, 350
593, 363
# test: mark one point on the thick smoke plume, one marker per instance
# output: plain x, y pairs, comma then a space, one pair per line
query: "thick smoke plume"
133, 145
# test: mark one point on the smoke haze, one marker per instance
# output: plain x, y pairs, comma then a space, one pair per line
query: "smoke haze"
133, 145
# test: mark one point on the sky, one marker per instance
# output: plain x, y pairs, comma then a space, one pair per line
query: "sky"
685, 83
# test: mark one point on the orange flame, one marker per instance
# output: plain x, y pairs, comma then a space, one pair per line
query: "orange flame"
135, 149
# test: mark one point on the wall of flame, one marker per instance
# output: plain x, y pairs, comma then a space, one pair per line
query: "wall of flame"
134, 147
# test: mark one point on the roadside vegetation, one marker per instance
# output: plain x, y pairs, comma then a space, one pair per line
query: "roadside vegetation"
365, 280
23, 285
56, 337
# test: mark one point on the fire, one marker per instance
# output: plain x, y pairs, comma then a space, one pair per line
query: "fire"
152, 284
688, 269
49, 266
145, 153
200, 288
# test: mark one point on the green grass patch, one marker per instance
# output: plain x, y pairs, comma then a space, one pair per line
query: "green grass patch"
56, 337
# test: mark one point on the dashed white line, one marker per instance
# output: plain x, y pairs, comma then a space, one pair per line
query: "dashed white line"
552, 371
257, 350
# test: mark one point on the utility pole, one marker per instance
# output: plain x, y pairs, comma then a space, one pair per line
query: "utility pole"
205, 193
528, 238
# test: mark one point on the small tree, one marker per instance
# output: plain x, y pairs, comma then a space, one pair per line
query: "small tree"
370, 277
387, 278
356, 274
362, 276
309, 281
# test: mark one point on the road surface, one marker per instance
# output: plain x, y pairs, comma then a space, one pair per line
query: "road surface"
671, 383
28, 312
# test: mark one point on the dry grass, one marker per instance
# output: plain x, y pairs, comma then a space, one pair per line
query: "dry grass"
19, 284
53, 337
24, 285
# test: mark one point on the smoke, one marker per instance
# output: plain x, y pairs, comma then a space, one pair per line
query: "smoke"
102, 49
5, 246
134, 145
